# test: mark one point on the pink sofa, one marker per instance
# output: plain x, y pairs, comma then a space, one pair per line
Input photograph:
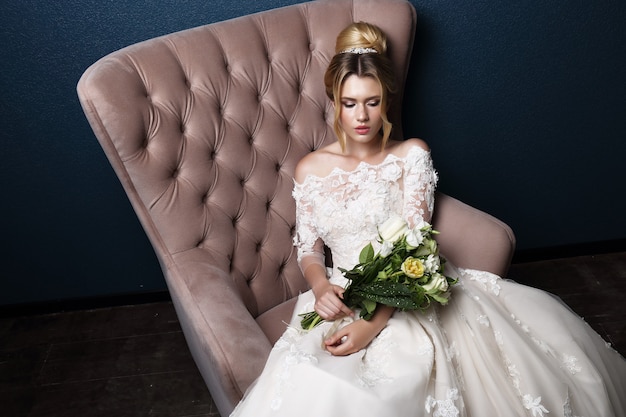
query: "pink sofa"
204, 128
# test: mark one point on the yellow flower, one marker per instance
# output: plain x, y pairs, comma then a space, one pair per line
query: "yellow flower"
413, 267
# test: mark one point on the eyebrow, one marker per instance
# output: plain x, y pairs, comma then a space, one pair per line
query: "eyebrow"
367, 99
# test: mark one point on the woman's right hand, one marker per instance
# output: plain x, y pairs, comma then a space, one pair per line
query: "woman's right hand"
328, 302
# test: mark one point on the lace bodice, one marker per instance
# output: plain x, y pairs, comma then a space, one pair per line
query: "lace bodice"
344, 208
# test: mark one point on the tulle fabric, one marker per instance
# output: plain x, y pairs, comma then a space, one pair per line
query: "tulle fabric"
498, 349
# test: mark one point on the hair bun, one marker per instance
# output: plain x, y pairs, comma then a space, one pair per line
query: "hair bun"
361, 36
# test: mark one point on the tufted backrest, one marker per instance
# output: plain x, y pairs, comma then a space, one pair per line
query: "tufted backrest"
204, 127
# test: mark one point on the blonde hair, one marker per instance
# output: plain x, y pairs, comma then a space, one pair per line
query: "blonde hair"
354, 56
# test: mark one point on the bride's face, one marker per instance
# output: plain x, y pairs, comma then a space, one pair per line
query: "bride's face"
361, 109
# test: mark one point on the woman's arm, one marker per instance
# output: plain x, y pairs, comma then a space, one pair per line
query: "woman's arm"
328, 297
358, 334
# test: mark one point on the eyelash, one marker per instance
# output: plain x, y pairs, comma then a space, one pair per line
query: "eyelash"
371, 104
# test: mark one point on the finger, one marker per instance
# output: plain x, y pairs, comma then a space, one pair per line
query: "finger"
343, 309
323, 311
328, 308
340, 307
337, 338
340, 349
347, 311
333, 305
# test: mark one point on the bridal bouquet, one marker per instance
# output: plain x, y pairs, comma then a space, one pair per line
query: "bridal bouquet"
406, 273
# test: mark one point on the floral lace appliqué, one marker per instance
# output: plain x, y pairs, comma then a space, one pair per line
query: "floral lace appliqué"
443, 408
452, 352
294, 356
529, 402
484, 320
373, 364
567, 408
570, 363
488, 280
534, 405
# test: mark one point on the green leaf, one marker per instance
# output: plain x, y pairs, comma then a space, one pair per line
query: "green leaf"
367, 254
369, 306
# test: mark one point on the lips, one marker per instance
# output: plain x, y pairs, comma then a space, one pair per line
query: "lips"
362, 130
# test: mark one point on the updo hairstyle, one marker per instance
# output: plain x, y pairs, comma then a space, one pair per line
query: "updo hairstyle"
369, 64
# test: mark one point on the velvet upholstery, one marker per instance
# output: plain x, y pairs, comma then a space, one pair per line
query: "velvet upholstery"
204, 129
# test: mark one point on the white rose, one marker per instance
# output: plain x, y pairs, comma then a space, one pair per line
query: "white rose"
414, 237
393, 229
386, 248
437, 283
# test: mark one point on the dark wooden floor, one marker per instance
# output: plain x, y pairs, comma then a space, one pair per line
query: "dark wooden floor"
133, 360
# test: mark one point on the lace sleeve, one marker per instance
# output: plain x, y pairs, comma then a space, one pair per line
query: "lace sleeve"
306, 239
420, 181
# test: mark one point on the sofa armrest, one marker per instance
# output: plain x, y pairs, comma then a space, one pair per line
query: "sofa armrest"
471, 238
227, 344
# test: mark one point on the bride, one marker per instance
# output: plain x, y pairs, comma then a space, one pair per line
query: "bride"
497, 349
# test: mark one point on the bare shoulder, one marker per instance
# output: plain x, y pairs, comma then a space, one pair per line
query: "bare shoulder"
318, 163
401, 148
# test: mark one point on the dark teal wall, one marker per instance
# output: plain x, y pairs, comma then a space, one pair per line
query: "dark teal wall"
523, 105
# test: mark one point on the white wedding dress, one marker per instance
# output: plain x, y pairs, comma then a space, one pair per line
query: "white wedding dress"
498, 349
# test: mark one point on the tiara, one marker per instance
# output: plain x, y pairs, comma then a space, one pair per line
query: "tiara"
359, 51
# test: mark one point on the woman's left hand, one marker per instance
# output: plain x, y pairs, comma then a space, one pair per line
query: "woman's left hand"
351, 338
358, 334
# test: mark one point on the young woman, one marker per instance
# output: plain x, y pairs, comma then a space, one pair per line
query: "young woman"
497, 349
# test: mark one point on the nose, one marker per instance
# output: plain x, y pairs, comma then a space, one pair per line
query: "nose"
362, 115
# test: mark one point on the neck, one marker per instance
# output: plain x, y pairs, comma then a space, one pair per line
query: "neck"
363, 151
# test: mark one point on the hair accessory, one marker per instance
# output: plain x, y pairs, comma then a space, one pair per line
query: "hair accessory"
359, 51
